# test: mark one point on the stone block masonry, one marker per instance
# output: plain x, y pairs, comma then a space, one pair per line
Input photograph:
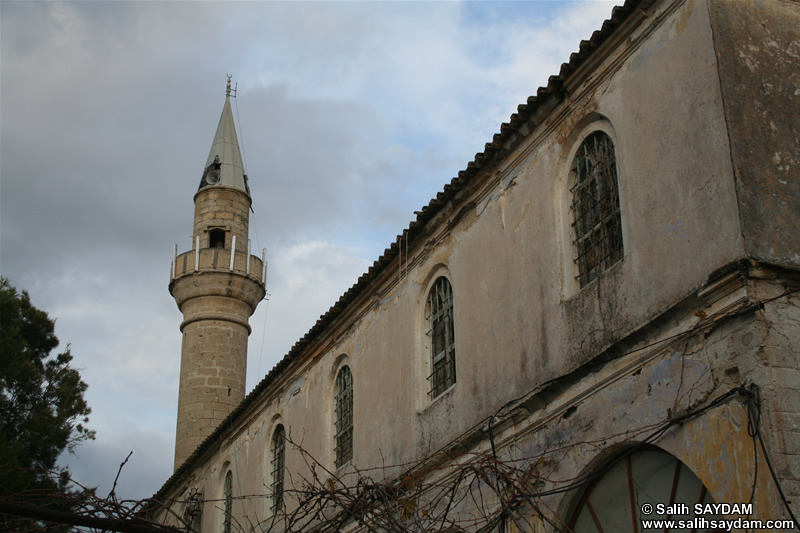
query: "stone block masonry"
216, 307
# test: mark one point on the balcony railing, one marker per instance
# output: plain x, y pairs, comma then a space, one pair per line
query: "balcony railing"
220, 260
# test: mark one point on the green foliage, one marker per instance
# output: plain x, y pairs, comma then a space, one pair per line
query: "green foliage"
42, 409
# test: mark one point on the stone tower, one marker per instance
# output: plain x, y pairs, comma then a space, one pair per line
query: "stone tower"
217, 286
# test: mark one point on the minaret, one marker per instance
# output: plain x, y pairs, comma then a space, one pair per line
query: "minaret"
217, 286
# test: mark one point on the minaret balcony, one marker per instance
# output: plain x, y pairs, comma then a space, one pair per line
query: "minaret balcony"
218, 260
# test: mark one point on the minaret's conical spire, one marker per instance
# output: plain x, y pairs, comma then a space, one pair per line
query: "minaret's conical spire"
224, 166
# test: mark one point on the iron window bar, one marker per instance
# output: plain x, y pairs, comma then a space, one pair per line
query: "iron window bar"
442, 337
597, 222
343, 403
278, 465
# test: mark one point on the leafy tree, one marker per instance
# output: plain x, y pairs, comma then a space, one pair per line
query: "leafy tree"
42, 409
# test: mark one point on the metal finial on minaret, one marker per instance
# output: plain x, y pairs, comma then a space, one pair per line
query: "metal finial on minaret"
228, 90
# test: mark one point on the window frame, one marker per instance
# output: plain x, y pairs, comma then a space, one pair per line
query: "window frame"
596, 221
277, 468
343, 416
440, 322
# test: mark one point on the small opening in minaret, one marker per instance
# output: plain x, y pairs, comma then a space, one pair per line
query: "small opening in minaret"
229, 391
216, 238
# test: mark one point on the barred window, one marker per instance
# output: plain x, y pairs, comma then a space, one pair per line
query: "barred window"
595, 207
228, 497
442, 337
278, 463
343, 407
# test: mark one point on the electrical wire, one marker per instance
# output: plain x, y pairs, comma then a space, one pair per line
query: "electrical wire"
241, 132
258, 239
263, 335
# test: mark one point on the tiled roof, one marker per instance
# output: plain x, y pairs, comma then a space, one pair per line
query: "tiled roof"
502, 143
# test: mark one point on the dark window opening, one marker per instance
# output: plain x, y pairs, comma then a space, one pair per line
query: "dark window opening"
216, 238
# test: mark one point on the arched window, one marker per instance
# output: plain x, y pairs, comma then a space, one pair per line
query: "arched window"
615, 500
597, 226
441, 330
227, 494
278, 463
343, 411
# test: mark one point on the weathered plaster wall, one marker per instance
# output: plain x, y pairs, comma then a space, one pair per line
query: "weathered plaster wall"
706, 350
758, 53
715, 446
520, 319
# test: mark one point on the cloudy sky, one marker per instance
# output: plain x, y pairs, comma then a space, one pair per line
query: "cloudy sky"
352, 115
